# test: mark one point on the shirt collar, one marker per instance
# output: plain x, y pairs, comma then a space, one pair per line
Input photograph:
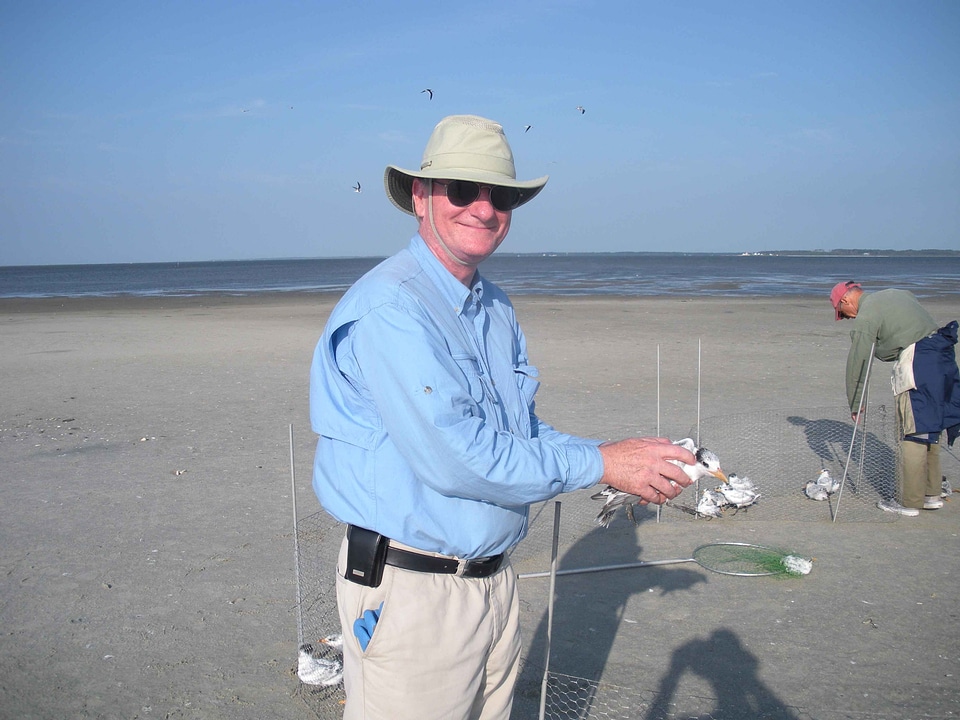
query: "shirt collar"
454, 292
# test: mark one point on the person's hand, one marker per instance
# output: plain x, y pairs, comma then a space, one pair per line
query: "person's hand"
640, 466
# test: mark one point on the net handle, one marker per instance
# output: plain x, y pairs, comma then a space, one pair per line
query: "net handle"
656, 563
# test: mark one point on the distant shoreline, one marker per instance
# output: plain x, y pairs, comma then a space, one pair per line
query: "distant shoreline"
324, 301
839, 253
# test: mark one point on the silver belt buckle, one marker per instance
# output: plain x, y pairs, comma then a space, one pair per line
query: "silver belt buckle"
461, 567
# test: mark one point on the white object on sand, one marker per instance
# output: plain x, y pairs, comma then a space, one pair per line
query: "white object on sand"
797, 565
317, 671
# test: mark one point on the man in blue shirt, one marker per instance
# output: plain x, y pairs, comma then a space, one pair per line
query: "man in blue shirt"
430, 449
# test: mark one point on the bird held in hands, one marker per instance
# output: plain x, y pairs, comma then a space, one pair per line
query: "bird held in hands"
706, 465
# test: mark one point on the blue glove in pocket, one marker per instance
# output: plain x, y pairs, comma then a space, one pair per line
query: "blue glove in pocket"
363, 626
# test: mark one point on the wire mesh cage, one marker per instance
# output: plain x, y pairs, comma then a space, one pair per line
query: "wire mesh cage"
318, 542
577, 698
780, 450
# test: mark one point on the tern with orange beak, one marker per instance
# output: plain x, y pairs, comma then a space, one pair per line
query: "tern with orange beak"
707, 465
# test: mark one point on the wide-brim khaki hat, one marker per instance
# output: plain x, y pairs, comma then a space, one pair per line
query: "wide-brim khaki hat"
462, 147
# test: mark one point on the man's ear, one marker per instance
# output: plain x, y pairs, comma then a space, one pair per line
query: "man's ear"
419, 197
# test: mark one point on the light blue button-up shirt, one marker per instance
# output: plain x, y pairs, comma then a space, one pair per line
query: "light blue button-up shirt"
423, 398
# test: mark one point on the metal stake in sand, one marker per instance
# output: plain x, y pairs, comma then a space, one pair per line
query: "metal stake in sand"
659, 507
856, 424
296, 542
696, 487
553, 586
699, 366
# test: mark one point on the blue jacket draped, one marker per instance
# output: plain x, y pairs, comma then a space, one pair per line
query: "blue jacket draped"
936, 399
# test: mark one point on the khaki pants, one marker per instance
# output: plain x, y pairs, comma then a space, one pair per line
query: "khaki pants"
444, 647
919, 462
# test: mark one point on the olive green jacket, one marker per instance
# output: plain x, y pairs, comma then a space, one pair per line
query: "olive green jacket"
891, 318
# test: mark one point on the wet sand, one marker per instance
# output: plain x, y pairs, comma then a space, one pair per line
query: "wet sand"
147, 534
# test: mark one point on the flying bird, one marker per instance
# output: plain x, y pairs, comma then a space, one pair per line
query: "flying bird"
527, 127
356, 188
581, 109
707, 465
428, 91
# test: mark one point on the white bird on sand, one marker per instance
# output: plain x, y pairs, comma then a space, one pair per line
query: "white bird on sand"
711, 504
707, 465
314, 670
741, 483
335, 641
827, 482
821, 488
738, 497
738, 492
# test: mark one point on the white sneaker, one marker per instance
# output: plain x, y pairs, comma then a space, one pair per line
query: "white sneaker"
892, 506
932, 502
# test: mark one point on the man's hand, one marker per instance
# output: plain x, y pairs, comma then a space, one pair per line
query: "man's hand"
640, 466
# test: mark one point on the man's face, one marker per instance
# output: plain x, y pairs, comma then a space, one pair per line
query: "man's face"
847, 308
472, 233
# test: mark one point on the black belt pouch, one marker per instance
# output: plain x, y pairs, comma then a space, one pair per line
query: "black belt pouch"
366, 556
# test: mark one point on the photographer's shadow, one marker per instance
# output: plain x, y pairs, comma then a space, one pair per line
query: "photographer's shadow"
589, 607
731, 670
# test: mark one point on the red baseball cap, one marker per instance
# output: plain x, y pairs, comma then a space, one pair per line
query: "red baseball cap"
839, 290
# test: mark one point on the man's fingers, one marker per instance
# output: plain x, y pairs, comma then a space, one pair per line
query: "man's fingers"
674, 473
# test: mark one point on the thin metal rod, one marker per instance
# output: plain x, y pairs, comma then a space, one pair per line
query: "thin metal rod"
856, 424
863, 438
658, 389
698, 393
553, 587
658, 409
605, 568
696, 486
296, 541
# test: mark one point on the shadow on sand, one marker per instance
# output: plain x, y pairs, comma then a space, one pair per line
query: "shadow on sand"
830, 441
588, 613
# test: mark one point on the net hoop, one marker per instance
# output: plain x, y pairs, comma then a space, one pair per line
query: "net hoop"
741, 559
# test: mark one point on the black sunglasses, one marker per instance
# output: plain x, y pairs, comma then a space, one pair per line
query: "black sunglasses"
464, 192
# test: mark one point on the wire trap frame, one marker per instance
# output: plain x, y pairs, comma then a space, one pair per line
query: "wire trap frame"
557, 690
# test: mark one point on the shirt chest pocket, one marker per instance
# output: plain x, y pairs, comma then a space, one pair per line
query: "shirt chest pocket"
470, 367
526, 376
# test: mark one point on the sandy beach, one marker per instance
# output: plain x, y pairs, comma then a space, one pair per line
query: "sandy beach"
147, 535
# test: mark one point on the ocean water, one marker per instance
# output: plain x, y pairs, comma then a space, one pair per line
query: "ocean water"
624, 274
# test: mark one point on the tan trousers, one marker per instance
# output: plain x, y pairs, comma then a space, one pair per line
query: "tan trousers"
444, 647
920, 468
919, 462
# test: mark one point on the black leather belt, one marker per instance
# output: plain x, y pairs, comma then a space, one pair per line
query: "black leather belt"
408, 560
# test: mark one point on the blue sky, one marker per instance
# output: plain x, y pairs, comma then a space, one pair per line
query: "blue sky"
162, 131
